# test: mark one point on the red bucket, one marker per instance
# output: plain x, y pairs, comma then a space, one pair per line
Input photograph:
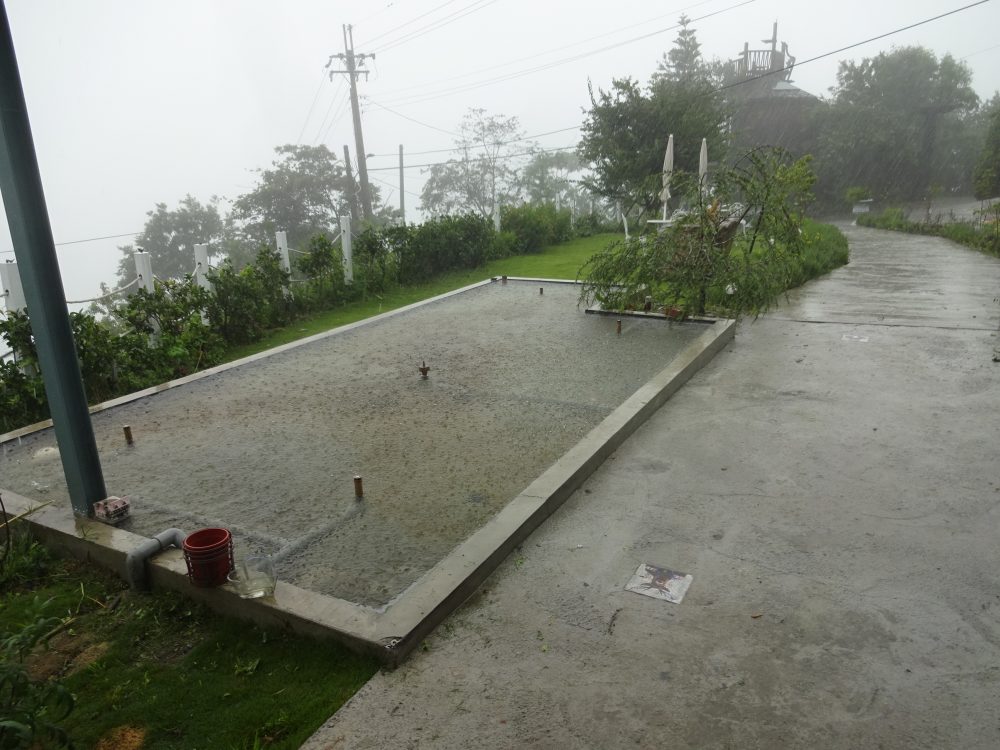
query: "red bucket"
209, 556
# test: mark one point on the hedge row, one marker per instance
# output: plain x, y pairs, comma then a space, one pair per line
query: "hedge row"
982, 235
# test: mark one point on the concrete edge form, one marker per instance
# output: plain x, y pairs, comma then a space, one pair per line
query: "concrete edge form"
416, 612
392, 632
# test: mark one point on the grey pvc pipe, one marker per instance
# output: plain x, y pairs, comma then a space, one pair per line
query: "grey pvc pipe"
135, 561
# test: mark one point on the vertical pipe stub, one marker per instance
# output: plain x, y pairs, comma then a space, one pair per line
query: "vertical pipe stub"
618, 327
359, 490
128, 435
541, 290
503, 279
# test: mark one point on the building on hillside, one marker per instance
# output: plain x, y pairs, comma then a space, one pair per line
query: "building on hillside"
768, 109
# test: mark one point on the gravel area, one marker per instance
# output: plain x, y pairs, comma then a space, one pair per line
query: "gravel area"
269, 448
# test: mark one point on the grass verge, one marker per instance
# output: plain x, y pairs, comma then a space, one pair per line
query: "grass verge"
555, 262
983, 235
157, 671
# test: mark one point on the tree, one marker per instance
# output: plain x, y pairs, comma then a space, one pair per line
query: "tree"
302, 193
625, 137
895, 122
683, 62
484, 175
703, 257
986, 178
548, 179
170, 236
625, 132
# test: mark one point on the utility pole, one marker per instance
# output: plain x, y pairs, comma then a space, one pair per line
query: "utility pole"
402, 198
352, 189
352, 62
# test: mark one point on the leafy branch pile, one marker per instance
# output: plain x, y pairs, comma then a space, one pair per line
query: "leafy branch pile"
733, 252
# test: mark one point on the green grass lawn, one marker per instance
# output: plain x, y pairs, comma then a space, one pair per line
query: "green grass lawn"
555, 262
159, 671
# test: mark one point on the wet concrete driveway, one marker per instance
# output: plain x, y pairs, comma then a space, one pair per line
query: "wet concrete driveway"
831, 482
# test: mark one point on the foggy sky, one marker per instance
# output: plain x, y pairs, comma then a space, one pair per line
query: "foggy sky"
134, 103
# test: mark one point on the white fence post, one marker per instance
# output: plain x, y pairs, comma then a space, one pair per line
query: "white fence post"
347, 248
282, 240
201, 267
144, 270
10, 279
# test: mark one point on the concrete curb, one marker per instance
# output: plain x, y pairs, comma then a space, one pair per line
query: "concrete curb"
390, 632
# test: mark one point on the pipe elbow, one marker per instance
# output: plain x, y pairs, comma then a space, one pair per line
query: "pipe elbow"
135, 561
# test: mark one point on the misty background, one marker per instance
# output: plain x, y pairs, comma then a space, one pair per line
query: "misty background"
133, 104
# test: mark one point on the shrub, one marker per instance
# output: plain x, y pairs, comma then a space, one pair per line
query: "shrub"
325, 286
536, 226
504, 245
246, 303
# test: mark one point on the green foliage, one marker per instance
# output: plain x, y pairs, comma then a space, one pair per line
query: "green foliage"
247, 302
302, 193
30, 710
148, 339
22, 397
982, 234
444, 244
504, 245
482, 176
986, 177
899, 122
325, 286
624, 135
536, 226
854, 194
168, 668
170, 236
704, 258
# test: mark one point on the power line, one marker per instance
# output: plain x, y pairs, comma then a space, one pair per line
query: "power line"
434, 26
508, 156
416, 98
852, 46
319, 88
412, 20
337, 97
338, 115
476, 145
88, 239
394, 187
411, 119
548, 52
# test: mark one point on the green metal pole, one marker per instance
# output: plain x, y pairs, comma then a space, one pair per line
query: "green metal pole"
34, 248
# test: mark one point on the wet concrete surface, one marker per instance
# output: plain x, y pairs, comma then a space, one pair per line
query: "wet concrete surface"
269, 449
831, 483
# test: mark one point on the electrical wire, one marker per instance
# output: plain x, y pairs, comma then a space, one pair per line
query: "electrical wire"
508, 156
508, 63
477, 145
319, 88
417, 98
412, 20
412, 119
328, 122
800, 63
394, 187
459, 14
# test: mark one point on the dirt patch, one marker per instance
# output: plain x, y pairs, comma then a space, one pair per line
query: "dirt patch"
55, 657
88, 656
122, 738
